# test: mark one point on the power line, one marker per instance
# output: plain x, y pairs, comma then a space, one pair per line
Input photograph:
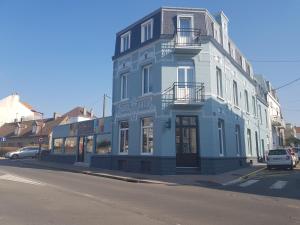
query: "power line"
275, 60
287, 84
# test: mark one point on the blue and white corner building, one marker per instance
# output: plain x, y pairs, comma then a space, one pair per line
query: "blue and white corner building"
184, 96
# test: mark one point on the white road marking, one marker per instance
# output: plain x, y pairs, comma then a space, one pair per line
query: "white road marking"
11, 177
279, 184
248, 183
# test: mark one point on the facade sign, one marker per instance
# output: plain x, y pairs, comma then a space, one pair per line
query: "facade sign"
134, 108
86, 127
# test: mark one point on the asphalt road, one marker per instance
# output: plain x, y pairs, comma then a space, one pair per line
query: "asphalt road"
39, 196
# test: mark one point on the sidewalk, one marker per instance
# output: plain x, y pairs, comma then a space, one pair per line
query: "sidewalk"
185, 179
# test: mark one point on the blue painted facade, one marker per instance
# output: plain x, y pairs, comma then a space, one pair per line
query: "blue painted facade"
161, 55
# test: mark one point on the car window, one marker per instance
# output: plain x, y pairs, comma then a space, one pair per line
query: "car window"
277, 152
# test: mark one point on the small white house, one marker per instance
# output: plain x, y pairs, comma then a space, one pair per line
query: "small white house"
12, 109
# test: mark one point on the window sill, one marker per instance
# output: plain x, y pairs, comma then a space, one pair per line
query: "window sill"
147, 154
221, 98
123, 153
235, 106
147, 94
124, 99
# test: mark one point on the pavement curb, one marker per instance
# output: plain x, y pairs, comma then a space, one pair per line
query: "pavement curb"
105, 175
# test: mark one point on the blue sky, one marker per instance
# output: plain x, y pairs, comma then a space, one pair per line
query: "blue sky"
57, 53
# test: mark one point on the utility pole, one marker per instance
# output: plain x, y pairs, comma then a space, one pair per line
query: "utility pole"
103, 105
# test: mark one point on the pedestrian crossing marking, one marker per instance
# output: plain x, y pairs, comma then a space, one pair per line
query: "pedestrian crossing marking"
10, 177
248, 183
279, 184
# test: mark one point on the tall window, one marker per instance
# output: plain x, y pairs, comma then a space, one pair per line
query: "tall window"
221, 133
124, 85
219, 82
266, 114
146, 80
235, 94
58, 145
103, 144
238, 139
70, 145
260, 114
124, 135
249, 141
147, 135
125, 41
246, 101
89, 143
254, 105
147, 30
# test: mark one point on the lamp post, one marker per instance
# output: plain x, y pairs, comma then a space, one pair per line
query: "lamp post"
41, 138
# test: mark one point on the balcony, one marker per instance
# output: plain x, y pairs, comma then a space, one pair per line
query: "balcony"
277, 121
187, 41
184, 94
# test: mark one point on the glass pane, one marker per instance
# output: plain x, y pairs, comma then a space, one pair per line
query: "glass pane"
146, 79
185, 23
181, 75
89, 143
103, 144
124, 124
147, 121
70, 145
124, 86
189, 140
190, 75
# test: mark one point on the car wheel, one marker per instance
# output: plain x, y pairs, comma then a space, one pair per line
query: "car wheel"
14, 157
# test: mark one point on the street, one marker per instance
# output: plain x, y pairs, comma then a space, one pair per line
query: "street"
36, 195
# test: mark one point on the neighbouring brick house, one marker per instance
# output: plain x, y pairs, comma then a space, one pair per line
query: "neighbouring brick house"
27, 133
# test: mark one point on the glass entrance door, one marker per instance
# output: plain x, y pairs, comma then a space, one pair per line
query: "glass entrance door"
186, 141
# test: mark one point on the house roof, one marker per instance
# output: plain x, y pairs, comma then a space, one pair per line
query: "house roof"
79, 111
8, 129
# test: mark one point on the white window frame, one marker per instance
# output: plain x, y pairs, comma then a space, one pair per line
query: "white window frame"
254, 105
148, 67
221, 135
143, 26
123, 36
238, 139
142, 136
122, 85
235, 93
249, 142
246, 101
126, 132
260, 114
219, 82
185, 16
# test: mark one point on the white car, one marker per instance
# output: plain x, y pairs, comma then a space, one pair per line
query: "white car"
25, 152
280, 158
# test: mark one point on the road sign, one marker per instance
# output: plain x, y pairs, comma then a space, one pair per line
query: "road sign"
2, 139
41, 140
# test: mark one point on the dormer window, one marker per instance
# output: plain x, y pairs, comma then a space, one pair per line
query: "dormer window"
125, 41
147, 30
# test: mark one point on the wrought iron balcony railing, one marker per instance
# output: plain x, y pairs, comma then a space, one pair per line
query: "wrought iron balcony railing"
184, 93
187, 37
